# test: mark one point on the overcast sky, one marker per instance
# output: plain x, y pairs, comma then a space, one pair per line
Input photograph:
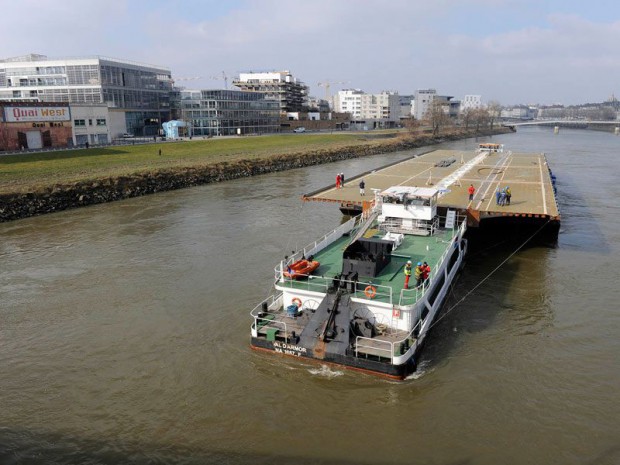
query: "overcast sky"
511, 51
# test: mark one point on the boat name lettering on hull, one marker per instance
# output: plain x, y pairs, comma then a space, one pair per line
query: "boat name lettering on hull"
289, 349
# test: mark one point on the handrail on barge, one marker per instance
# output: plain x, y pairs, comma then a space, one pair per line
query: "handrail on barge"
390, 345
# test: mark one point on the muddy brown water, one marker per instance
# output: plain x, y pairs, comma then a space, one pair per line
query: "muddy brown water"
124, 332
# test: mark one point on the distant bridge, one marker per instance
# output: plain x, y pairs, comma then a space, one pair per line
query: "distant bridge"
564, 123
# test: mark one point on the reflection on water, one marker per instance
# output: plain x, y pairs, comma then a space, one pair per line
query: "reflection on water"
124, 334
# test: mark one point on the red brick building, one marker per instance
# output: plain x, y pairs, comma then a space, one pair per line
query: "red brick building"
34, 125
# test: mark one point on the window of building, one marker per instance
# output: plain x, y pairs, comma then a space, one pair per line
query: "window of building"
79, 122
100, 121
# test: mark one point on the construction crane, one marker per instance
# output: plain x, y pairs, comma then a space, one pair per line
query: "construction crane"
218, 77
223, 77
193, 78
327, 85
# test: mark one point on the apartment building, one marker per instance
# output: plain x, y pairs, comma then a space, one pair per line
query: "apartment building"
369, 110
471, 102
281, 86
423, 99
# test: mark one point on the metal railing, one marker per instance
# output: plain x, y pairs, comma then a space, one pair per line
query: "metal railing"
262, 316
318, 245
421, 227
390, 348
405, 294
357, 289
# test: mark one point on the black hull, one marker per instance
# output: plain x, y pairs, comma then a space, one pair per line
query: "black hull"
540, 231
350, 209
398, 372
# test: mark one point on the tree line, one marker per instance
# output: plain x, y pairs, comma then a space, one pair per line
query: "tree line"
437, 118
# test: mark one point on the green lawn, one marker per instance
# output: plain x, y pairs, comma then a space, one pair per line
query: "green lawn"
33, 171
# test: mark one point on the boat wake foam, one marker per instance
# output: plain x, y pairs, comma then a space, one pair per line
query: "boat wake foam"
420, 371
326, 372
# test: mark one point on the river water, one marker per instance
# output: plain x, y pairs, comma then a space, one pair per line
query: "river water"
124, 334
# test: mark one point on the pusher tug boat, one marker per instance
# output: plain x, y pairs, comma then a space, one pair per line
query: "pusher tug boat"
353, 309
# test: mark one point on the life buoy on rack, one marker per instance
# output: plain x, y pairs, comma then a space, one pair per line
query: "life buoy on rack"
370, 292
296, 301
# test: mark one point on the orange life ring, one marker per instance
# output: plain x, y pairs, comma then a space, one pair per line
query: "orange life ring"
297, 301
370, 292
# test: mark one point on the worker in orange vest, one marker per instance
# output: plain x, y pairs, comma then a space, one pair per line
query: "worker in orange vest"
407, 274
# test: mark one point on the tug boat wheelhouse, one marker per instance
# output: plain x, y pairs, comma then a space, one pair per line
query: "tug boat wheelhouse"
353, 309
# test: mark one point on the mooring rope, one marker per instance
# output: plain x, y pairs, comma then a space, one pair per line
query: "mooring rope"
487, 276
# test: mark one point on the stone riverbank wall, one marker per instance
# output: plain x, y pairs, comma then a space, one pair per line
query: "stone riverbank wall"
63, 197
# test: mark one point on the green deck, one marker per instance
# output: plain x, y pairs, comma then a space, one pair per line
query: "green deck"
414, 248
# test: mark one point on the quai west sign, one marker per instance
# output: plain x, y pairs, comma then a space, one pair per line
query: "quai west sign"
42, 113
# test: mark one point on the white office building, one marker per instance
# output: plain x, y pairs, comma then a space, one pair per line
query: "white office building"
423, 100
369, 110
471, 102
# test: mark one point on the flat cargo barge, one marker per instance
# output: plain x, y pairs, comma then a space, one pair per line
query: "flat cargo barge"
452, 172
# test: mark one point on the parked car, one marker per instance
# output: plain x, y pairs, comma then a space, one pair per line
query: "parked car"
300, 129
127, 135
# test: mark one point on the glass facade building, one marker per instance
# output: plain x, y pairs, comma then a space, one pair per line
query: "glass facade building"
141, 91
227, 112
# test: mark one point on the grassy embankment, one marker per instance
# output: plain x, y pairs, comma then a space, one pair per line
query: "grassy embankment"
33, 172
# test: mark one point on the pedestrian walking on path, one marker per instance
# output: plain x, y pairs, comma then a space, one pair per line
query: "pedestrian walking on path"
338, 181
362, 186
471, 191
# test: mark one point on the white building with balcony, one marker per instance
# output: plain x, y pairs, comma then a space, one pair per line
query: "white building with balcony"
369, 111
291, 93
471, 102
423, 99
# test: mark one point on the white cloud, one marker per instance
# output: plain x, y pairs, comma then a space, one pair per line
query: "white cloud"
399, 45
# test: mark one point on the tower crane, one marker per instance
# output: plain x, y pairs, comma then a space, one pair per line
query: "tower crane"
223, 77
192, 78
327, 85
218, 77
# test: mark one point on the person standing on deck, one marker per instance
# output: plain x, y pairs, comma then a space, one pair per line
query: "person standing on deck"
508, 195
471, 191
407, 274
362, 186
338, 181
417, 274
502, 197
498, 194
426, 271
341, 179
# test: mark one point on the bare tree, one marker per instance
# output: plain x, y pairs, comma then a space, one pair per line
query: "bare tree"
467, 118
413, 125
437, 116
494, 109
480, 118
